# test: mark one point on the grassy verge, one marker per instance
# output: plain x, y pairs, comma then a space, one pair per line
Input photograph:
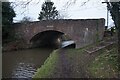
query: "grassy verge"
72, 53
80, 51
48, 67
105, 65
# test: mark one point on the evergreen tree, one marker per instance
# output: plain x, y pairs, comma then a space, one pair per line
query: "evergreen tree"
48, 12
7, 19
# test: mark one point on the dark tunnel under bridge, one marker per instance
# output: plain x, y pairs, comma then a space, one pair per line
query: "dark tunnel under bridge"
51, 39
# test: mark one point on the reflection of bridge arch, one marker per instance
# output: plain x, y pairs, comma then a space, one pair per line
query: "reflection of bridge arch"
48, 38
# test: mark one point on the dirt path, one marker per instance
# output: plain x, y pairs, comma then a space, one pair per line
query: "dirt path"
63, 67
68, 68
76, 65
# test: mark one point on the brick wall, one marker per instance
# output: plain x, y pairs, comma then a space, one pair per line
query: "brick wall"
82, 31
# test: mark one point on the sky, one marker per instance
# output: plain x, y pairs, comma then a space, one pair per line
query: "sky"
70, 9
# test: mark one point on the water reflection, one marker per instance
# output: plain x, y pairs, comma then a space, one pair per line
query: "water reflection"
23, 70
23, 64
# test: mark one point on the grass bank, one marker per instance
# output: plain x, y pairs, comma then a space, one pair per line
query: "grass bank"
49, 65
99, 64
105, 65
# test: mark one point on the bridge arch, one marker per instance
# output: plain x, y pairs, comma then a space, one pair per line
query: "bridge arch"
48, 38
82, 31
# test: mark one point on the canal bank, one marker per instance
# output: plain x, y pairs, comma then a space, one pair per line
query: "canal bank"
61, 63
15, 45
79, 63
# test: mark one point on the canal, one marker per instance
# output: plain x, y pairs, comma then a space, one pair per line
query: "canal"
23, 63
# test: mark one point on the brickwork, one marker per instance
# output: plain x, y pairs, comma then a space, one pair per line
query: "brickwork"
82, 31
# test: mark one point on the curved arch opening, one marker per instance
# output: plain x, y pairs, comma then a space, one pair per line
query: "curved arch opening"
49, 39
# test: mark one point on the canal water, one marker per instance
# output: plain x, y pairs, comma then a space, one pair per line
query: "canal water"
23, 63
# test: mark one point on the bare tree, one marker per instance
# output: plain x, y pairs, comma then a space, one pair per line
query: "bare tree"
25, 4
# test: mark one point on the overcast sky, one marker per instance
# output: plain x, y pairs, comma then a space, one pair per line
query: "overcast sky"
92, 9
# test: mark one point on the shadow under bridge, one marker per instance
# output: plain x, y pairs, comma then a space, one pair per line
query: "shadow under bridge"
50, 39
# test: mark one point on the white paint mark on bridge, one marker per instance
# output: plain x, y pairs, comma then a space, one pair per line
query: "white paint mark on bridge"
50, 26
85, 34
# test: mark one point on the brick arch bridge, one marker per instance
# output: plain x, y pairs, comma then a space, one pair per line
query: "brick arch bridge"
82, 31
48, 38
